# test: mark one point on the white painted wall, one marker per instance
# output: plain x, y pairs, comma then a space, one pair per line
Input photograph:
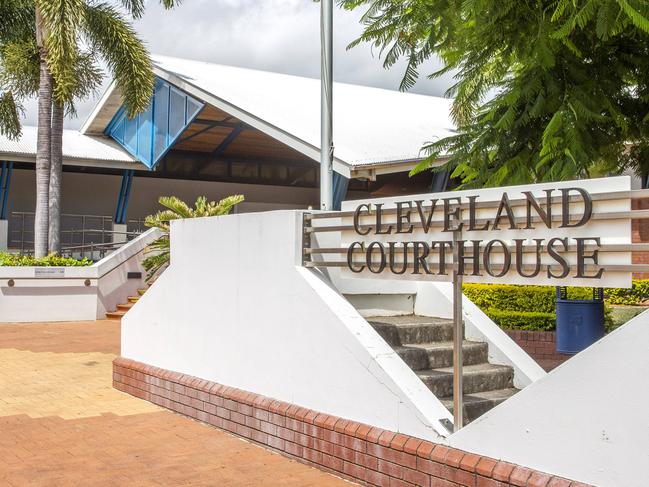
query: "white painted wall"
236, 307
36, 298
586, 420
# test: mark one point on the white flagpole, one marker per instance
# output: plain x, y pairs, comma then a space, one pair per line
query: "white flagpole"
326, 105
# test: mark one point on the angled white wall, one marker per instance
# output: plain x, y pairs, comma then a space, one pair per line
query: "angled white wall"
237, 308
587, 419
38, 294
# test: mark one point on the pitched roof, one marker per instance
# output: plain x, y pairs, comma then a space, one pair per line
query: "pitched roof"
373, 128
77, 149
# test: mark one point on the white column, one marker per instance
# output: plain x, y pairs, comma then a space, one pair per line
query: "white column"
119, 237
4, 234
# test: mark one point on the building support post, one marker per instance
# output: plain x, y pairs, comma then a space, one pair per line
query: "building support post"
5, 183
119, 223
326, 105
458, 337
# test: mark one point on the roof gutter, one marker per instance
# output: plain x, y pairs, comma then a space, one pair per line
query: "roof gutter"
68, 161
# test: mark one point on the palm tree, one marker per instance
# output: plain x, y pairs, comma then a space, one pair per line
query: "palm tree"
177, 209
16, 23
71, 35
44, 142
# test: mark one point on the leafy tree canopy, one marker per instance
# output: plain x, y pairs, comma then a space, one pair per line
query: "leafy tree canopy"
78, 33
545, 89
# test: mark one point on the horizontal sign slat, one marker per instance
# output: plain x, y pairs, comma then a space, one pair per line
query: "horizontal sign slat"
576, 233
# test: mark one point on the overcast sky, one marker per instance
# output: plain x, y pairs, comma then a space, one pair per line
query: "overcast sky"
272, 35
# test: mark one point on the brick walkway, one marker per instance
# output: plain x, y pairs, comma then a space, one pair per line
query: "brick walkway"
61, 423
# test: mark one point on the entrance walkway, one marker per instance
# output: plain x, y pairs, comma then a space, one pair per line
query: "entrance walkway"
62, 423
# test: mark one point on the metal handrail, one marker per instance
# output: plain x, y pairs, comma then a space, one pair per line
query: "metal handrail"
81, 240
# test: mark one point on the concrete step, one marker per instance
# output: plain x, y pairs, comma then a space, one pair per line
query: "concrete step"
407, 330
476, 378
115, 315
133, 299
125, 307
475, 405
440, 354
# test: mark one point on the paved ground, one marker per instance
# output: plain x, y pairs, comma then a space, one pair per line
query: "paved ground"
61, 423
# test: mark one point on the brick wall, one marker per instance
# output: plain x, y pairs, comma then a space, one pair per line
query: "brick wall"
640, 234
540, 345
357, 452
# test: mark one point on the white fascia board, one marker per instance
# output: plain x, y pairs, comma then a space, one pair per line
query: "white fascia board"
97, 108
31, 159
370, 171
276, 133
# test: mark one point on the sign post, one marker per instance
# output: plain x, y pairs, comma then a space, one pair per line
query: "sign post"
458, 338
326, 105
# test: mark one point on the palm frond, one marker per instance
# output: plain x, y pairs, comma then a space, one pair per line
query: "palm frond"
9, 116
113, 37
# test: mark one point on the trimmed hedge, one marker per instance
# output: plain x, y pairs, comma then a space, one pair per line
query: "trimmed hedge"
16, 260
638, 294
522, 320
503, 297
526, 307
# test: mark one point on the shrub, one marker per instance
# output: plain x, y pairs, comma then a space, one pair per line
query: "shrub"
523, 320
160, 250
503, 297
525, 307
638, 294
16, 260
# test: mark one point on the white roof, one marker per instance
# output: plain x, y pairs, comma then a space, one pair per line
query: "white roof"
371, 125
76, 148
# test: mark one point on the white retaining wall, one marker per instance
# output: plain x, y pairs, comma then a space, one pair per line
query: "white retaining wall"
587, 419
47, 294
236, 307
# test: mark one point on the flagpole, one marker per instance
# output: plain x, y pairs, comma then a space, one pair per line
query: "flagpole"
326, 105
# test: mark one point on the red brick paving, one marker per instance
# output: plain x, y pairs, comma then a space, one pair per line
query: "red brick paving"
154, 448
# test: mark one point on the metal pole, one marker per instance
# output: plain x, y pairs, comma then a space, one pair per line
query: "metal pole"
458, 336
326, 105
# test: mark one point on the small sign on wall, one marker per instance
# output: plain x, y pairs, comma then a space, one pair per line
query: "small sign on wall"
51, 272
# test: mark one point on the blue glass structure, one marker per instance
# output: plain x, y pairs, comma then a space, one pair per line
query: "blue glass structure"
5, 182
149, 135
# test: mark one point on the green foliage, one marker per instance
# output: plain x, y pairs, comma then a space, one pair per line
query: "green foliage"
16, 260
637, 295
546, 90
523, 320
78, 35
9, 116
526, 307
520, 298
159, 251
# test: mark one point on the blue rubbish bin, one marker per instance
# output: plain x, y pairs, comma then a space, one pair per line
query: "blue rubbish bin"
580, 322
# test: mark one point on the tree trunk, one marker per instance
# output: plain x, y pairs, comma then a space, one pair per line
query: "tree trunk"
43, 144
56, 168
43, 155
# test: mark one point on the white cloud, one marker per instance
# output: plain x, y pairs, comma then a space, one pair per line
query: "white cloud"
273, 35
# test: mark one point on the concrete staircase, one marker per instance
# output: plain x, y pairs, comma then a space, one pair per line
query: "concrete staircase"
122, 309
426, 345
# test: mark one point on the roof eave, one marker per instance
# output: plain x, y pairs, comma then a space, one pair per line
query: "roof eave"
99, 107
271, 130
74, 161
371, 170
